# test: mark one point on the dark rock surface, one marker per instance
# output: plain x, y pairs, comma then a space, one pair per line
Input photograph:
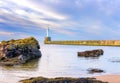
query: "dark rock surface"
19, 51
95, 70
61, 80
91, 53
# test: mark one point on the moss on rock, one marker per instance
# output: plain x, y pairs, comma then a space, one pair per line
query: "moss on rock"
19, 51
61, 80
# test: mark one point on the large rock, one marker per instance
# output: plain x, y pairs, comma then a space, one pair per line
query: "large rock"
19, 51
91, 53
61, 80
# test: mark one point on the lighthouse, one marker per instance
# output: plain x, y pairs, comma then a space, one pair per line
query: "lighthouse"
48, 32
47, 38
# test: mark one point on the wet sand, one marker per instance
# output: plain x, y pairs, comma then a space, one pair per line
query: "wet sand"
109, 78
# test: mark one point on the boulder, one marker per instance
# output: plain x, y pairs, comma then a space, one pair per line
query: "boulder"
19, 51
91, 53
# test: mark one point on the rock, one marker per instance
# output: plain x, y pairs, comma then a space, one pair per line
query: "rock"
19, 51
61, 80
95, 70
92, 53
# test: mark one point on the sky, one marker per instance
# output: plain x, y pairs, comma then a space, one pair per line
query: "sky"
67, 19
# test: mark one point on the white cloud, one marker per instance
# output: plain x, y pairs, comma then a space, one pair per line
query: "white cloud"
6, 33
26, 13
80, 3
77, 2
44, 10
53, 1
4, 11
108, 7
63, 31
1, 20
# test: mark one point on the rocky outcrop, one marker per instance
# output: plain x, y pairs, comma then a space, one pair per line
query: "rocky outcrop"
92, 53
61, 80
19, 51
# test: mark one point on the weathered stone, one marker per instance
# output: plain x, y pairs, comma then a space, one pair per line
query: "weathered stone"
19, 51
61, 80
92, 53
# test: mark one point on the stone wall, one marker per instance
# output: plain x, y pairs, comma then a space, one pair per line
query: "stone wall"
87, 42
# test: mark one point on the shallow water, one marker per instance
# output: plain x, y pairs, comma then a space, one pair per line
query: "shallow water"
62, 61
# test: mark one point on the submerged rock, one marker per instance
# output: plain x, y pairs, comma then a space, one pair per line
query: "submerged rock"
95, 70
19, 51
92, 53
61, 80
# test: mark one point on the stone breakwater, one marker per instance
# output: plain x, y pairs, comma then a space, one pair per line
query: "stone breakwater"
84, 42
14, 52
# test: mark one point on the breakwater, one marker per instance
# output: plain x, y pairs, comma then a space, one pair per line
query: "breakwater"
84, 42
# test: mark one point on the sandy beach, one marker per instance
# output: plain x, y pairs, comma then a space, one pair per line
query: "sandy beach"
109, 78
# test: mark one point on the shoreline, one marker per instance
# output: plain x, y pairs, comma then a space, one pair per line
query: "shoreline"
109, 78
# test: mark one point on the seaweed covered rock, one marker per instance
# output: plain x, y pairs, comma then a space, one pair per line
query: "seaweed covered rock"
19, 51
91, 53
61, 80
95, 70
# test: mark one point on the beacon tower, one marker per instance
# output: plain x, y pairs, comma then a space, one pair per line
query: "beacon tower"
47, 38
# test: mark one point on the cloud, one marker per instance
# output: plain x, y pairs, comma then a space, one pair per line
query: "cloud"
44, 10
97, 29
6, 33
65, 17
94, 27
2, 20
53, 1
107, 7
28, 13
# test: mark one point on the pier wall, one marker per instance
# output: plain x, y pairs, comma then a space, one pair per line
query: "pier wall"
87, 42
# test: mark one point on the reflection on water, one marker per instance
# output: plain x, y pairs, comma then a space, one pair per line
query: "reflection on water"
29, 66
15, 73
115, 59
57, 61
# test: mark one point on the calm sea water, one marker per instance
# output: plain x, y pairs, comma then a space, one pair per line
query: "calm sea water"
62, 61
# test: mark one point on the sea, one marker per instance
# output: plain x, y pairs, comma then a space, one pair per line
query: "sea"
63, 61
